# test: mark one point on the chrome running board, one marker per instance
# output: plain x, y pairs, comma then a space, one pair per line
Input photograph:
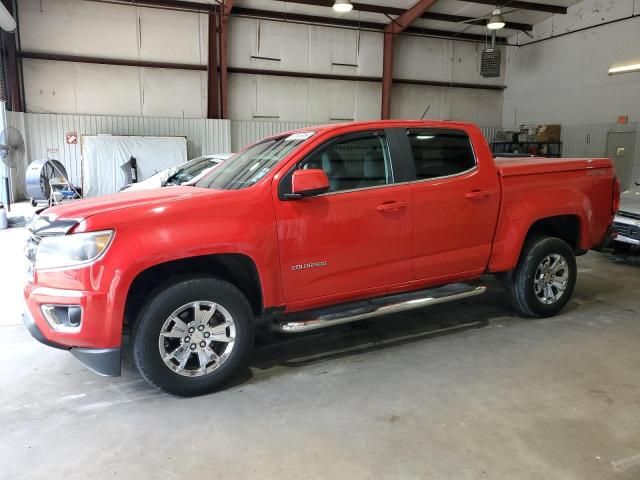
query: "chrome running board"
316, 319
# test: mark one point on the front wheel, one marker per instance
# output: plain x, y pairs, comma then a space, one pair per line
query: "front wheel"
193, 336
544, 279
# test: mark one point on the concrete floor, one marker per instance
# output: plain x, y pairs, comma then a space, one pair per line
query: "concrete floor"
458, 391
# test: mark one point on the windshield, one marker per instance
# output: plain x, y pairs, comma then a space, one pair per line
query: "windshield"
250, 165
191, 169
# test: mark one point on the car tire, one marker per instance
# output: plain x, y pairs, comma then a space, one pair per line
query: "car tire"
193, 335
544, 279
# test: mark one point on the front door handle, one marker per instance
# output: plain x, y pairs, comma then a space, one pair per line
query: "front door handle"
477, 194
392, 206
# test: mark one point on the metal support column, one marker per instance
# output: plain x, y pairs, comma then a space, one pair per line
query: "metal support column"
393, 28
213, 80
224, 19
13, 66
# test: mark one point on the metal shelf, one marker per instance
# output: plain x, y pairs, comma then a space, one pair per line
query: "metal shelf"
541, 149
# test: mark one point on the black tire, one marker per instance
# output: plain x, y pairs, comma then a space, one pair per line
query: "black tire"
520, 283
163, 303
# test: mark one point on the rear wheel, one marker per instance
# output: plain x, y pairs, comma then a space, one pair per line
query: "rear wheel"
193, 336
544, 279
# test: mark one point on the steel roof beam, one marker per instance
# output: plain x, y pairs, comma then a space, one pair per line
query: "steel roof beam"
533, 6
343, 22
443, 17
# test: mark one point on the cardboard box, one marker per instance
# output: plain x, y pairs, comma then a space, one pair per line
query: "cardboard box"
548, 133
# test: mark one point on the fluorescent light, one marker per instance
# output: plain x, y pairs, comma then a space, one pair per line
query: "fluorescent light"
7, 22
424, 137
342, 6
625, 68
496, 21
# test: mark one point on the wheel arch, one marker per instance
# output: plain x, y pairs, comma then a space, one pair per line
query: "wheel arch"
571, 227
238, 269
565, 227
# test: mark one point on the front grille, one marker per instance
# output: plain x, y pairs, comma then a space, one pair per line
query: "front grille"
629, 231
624, 213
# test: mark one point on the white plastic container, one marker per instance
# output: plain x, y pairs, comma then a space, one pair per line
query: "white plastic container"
4, 223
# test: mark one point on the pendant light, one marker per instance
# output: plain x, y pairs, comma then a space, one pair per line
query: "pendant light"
342, 6
496, 21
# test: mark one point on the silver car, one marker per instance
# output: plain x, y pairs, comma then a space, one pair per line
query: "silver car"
627, 221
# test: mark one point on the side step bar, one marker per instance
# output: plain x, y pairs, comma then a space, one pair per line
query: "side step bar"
316, 319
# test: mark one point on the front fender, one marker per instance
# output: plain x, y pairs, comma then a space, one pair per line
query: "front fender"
149, 235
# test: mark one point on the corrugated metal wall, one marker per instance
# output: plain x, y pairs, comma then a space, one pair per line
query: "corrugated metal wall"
490, 132
45, 135
591, 140
584, 140
244, 132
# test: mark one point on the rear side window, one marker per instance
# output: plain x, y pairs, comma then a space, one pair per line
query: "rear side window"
440, 153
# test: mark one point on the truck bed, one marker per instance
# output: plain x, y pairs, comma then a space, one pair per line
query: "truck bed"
511, 166
578, 190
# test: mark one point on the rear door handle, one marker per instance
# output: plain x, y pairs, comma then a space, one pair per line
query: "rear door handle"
477, 194
392, 206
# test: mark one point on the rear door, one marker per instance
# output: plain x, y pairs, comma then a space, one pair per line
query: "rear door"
455, 203
357, 236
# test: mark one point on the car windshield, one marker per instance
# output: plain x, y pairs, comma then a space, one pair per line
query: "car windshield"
190, 170
249, 166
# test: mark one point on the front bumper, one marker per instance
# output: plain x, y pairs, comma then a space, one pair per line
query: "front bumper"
103, 361
628, 230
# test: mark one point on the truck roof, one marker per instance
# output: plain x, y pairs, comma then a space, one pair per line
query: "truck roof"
380, 124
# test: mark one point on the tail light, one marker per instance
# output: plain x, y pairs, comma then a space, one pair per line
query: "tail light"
615, 201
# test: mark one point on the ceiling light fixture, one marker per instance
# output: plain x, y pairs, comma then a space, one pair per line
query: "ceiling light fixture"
342, 6
496, 21
635, 67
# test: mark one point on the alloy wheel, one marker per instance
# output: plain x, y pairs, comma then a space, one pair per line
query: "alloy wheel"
197, 338
551, 279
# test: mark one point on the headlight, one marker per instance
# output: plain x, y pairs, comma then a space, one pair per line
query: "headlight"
71, 250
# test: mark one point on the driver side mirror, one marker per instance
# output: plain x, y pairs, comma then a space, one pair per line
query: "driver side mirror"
306, 183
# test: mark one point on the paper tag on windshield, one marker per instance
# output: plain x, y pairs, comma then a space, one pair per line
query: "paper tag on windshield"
299, 136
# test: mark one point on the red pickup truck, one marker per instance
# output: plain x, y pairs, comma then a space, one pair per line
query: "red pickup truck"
305, 230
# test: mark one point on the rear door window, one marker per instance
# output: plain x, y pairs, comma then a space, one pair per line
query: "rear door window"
440, 152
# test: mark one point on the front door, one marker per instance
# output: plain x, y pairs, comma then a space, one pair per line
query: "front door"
355, 237
620, 149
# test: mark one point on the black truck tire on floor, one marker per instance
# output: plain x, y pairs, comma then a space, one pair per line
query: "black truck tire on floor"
527, 284
175, 319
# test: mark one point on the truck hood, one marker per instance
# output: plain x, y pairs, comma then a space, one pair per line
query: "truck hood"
630, 201
71, 213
